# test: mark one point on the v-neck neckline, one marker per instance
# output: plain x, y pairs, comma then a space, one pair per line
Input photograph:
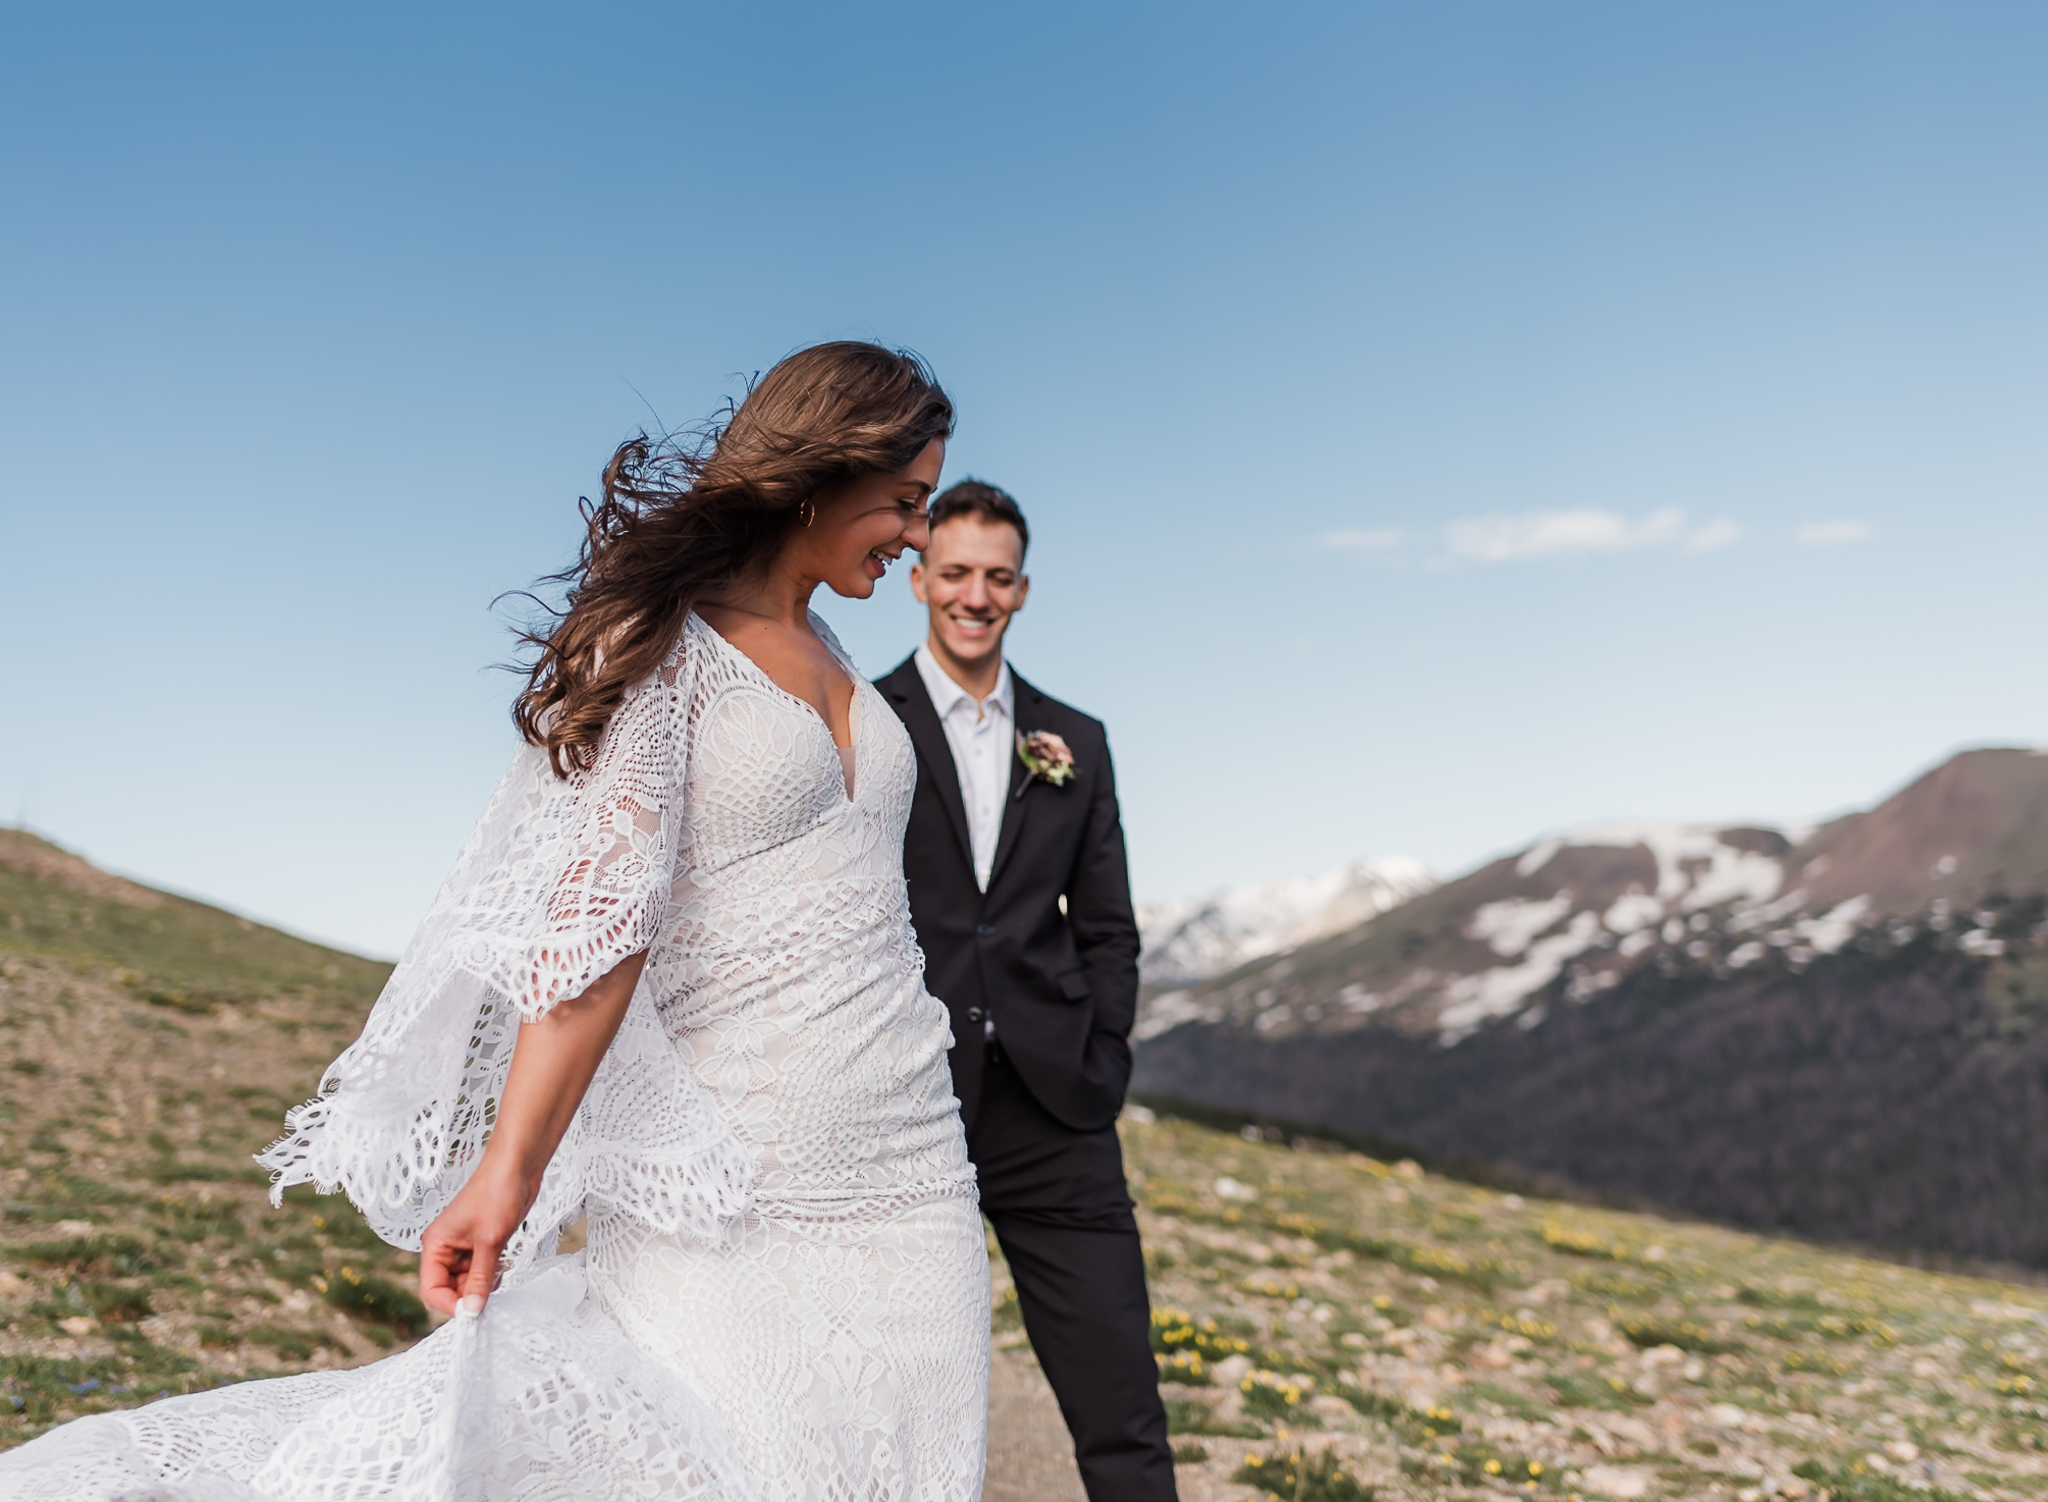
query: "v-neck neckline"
849, 768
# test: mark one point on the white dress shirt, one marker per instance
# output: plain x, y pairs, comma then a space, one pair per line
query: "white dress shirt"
983, 738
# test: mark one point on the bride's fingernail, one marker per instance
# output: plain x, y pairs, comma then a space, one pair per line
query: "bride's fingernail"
472, 1304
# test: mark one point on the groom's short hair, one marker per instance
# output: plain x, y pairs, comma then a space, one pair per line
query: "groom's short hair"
975, 498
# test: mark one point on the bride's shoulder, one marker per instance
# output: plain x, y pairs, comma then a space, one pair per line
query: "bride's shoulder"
671, 680
686, 653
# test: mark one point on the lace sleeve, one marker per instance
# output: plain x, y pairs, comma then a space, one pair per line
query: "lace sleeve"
586, 883
558, 882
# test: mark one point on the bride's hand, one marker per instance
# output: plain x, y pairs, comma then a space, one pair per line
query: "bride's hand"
459, 1252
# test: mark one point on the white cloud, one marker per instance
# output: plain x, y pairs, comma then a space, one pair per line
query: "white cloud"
1499, 538
1832, 534
1361, 540
1714, 536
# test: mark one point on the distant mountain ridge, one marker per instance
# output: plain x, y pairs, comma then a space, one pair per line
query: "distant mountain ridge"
1613, 964
1190, 941
1590, 906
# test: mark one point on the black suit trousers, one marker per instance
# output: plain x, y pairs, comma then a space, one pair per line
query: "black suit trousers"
1057, 1200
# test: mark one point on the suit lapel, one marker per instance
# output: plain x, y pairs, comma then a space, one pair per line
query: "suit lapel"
1030, 706
906, 690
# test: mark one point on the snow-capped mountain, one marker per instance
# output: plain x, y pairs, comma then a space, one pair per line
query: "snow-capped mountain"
1841, 1029
1191, 941
1572, 915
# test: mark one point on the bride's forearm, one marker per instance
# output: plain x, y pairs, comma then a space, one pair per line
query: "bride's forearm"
553, 1061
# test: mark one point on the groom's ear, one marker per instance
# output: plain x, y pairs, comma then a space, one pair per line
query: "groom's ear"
917, 582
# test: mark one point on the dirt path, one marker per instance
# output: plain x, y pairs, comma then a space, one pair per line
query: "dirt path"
1030, 1456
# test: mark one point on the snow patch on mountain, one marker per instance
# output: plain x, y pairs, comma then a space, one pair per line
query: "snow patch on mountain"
1699, 870
1696, 868
1509, 927
1470, 1000
1190, 941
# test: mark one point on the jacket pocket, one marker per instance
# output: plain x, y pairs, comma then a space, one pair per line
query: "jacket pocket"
1074, 986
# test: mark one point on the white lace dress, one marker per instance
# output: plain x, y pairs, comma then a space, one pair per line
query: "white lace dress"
784, 1294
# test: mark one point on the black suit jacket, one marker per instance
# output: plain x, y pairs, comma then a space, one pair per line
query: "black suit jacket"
1062, 986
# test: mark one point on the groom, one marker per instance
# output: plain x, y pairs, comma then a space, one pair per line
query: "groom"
1015, 859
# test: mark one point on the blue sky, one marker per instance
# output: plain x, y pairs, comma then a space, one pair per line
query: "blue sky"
1440, 423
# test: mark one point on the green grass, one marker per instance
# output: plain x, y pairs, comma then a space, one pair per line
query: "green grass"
377, 1301
36, 1391
1857, 1482
1300, 1476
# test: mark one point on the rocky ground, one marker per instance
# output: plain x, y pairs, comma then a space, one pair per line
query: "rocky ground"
138, 1253
1439, 1339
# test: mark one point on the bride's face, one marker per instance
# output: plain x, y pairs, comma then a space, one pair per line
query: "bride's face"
863, 526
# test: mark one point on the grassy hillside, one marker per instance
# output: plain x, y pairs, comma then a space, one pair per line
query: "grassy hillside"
148, 1045
1443, 1339
1411, 1336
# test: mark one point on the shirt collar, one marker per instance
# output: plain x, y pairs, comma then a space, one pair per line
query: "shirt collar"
946, 695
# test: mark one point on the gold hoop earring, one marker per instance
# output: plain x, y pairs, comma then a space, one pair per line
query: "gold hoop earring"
807, 512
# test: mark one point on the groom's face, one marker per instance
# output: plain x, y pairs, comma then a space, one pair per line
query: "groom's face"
971, 579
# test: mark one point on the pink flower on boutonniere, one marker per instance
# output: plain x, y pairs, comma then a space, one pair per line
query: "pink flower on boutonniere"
1044, 755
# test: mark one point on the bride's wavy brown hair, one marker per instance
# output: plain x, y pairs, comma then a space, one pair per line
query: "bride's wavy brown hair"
683, 517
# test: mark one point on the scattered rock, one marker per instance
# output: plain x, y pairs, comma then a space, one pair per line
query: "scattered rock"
1620, 1482
1232, 1370
1633, 1430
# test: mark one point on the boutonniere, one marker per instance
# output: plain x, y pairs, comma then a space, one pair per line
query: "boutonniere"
1044, 755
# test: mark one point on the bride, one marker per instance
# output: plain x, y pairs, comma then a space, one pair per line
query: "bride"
671, 985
